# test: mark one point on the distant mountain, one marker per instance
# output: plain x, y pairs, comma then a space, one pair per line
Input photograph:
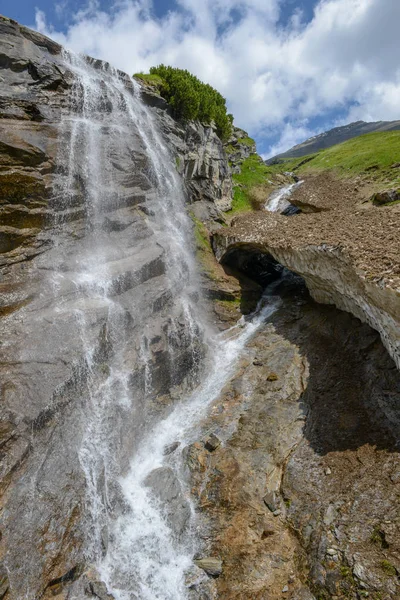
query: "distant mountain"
334, 136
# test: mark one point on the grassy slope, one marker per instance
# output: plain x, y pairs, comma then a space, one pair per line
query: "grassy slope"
149, 78
251, 182
369, 156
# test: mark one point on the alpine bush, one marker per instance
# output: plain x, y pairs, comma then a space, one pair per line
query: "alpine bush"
192, 99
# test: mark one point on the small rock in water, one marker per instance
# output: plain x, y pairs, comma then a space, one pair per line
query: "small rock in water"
171, 448
99, 590
195, 577
212, 566
270, 501
212, 442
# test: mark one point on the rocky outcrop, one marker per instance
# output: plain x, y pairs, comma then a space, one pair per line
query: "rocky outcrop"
199, 155
385, 197
299, 500
239, 147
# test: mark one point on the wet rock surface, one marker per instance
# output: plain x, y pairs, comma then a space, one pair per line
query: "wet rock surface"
47, 378
300, 500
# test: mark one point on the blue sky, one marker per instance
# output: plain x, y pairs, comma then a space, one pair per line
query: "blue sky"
24, 11
288, 68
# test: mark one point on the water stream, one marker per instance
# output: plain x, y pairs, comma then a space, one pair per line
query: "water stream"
278, 201
138, 551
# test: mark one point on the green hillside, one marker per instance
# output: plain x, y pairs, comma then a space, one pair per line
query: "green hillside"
369, 156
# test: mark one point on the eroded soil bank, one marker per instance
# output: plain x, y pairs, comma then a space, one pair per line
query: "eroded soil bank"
300, 499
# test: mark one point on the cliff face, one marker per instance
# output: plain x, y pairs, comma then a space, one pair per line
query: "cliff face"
199, 154
45, 370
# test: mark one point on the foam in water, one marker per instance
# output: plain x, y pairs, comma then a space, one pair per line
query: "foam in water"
138, 553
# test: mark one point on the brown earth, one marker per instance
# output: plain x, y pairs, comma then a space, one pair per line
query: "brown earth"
368, 236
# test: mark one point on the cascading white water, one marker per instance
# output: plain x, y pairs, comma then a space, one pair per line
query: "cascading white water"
145, 553
278, 201
138, 552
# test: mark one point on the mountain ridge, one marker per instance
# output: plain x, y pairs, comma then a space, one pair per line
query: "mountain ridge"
334, 136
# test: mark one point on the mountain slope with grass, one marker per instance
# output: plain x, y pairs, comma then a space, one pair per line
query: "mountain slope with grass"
371, 162
334, 136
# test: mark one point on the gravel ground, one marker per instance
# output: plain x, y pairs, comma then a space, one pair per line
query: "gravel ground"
367, 235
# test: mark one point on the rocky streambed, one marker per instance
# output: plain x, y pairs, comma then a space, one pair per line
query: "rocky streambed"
300, 499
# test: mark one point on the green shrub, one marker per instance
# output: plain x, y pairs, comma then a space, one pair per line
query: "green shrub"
192, 99
389, 569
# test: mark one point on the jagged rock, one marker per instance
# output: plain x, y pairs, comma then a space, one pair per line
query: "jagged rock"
238, 148
385, 197
271, 501
98, 589
212, 566
212, 442
171, 448
201, 160
166, 486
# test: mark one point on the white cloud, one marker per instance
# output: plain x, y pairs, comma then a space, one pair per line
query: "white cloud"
274, 78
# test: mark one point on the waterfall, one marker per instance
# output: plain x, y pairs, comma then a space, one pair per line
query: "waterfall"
112, 158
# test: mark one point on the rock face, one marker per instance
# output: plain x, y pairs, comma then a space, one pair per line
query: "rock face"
200, 158
49, 413
238, 148
299, 500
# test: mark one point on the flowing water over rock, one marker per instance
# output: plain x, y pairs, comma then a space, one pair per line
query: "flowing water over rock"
139, 523
149, 554
107, 124
278, 201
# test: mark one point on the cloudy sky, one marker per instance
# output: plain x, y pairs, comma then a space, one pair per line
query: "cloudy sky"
288, 68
